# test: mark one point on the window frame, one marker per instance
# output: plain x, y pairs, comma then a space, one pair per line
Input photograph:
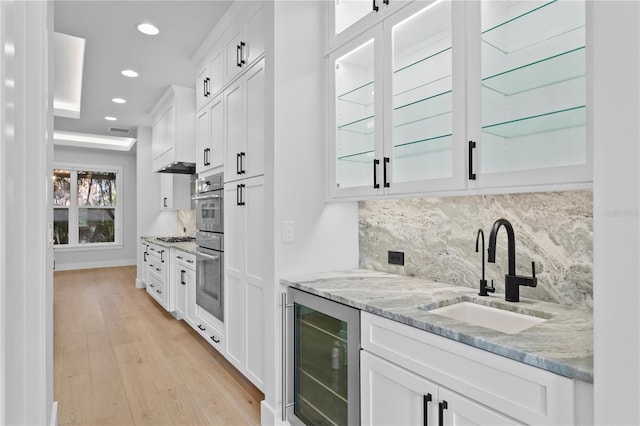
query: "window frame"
74, 243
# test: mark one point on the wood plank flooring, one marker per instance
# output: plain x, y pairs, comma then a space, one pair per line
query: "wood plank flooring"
120, 359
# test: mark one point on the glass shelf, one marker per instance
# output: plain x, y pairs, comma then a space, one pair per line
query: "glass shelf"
361, 95
563, 119
364, 126
424, 146
423, 109
550, 20
555, 69
420, 61
358, 157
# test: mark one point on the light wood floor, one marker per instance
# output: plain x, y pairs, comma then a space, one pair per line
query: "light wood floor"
120, 359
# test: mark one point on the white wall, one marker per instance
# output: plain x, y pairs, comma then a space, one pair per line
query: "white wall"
150, 219
127, 195
326, 235
26, 258
616, 211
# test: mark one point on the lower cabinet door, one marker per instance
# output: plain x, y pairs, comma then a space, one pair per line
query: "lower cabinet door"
457, 410
394, 396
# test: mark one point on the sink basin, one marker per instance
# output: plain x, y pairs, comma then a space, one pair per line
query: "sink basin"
488, 317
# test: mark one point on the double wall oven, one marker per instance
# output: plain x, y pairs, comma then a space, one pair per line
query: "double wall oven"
210, 245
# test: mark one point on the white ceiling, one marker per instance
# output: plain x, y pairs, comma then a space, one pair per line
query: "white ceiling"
113, 43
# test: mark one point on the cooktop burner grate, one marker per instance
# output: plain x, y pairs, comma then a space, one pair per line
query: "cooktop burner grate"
175, 239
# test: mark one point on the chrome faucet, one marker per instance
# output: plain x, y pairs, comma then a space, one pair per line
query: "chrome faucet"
512, 282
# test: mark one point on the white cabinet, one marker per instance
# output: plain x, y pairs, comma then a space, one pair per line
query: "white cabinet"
210, 136
395, 396
457, 96
144, 273
210, 76
158, 278
244, 277
473, 385
173, 130
210, 328
184, 281
398, 107
244, 105
527, 109
175, 191
348, 18
244, 41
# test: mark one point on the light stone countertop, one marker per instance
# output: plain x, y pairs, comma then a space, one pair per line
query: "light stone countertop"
189, 247
563, 344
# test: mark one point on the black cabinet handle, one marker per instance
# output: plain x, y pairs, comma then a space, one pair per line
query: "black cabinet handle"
158, 269
238, 55
426, 399
159, 291
472, 145
179, 257
242, 60
162, 256
375, 6
238, 160
189, 261
151, 265
214, 339
164, 202
144, 255
242, 156
385, 1
376, 185
201, 327
441, 407
151, 285
384, 172
208, 92
239, 194
182, 272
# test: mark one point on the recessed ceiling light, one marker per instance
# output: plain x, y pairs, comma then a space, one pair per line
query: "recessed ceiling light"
110, 118
119, 100
129, 73
148, 29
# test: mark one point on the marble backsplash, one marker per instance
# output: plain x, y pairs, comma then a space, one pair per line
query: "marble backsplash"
438, 235
187, 223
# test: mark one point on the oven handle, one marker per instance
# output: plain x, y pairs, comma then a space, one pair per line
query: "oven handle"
208, 256
206, 197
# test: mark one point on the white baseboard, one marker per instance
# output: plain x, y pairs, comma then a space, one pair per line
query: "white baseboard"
269, 416
54, 414
92, 265
140, 284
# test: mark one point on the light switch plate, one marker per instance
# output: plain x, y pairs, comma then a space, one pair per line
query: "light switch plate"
288, 235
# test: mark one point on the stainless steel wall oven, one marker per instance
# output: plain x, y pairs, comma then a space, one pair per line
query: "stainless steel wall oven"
210, 245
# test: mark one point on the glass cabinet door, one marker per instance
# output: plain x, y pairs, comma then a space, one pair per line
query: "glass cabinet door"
420, 96
357, 118
320, 368
533, 91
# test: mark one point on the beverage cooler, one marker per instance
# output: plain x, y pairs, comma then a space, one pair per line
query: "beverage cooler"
321, 361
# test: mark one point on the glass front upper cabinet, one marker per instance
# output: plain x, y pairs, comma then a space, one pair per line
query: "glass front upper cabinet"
348, 18
420, 111
533, 93
357, 114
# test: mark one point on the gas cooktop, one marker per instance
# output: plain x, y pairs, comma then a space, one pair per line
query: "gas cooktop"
175, 239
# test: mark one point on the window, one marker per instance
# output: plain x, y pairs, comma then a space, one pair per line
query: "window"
86, 205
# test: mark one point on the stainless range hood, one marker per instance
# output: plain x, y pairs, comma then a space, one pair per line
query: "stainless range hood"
179, 167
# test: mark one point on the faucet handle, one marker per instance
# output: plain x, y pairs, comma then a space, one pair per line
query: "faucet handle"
533, 268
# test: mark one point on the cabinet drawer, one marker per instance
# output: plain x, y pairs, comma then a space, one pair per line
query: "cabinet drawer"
185, 260
156, 289
211, 334
523, 392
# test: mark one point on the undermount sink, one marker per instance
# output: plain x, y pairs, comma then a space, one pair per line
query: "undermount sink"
488, 317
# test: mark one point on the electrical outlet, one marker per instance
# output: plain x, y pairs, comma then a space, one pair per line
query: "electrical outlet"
396, 258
